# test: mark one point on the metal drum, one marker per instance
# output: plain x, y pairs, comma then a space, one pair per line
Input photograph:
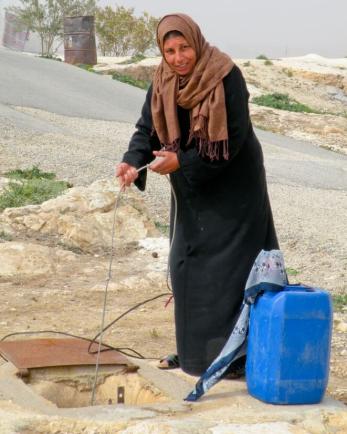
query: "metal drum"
79, 40
14, 37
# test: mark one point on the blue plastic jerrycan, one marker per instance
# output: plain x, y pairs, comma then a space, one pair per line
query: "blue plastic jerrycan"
289, 345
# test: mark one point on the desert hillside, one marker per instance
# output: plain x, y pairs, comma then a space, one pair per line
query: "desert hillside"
317, 82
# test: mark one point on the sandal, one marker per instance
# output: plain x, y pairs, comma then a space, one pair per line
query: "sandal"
169, 362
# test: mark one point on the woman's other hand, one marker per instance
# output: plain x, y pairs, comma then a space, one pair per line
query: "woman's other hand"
166, 162
126, 174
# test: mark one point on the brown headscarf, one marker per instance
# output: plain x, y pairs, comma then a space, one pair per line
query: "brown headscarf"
202, 92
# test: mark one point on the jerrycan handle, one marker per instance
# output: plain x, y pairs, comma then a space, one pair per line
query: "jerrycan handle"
298, 287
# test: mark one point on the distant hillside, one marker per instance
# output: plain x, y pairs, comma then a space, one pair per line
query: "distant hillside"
313, 85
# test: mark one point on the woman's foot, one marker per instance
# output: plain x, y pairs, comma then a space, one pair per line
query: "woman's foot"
169, 362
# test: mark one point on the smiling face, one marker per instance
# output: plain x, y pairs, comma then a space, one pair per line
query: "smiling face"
179, 55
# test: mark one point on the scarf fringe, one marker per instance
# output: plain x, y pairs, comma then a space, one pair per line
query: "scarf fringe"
213, 150
171, 147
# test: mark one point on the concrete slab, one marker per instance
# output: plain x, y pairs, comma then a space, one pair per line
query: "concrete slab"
227, 408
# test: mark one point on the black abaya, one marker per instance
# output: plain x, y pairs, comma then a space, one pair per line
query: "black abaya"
224, 219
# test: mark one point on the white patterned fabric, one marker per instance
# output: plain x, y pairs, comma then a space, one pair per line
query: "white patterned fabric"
267, 274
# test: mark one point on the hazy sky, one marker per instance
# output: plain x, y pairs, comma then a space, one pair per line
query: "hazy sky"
250, 27
246, 28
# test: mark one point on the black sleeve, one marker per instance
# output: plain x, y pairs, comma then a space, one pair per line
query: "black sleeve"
142, 143
198, 170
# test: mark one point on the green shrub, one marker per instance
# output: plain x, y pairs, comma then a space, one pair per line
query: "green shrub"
33, 173
30, 187
163, 228
134, 59
262, 57
283, 102
292, 272
31, 192
288, 72
339, 301
268, 62
248, 63
86, 67
50, 57
142, 84
4, 236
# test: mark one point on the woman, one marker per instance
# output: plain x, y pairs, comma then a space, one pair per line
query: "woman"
196, 119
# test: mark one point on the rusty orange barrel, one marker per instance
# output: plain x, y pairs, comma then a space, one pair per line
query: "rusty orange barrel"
79, 40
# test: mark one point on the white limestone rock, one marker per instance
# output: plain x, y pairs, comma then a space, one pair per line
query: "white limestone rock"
83, 217
28, 260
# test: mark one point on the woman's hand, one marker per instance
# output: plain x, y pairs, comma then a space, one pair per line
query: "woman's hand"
166, 162
126, 174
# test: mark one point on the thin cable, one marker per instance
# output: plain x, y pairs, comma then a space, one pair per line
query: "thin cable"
135, 354
105, 297
173, 229
146, 166
93, 341
173, 236
109, 277
37, 332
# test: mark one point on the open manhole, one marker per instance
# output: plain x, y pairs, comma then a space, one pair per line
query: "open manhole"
63, 372
71, 386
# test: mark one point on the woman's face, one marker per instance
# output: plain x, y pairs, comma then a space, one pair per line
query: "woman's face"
179, 55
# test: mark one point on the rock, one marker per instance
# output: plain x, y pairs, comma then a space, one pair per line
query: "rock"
168, 427
341, 326
323, 129
314, 426
337, 422
18, 259
159, 245
83, 217
5, 181
259, 428
27, 260
146, 282
159, 248
3, 184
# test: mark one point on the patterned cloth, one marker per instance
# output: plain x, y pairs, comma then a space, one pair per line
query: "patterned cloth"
267, 274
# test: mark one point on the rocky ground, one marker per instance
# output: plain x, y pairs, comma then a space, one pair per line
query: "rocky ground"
312, 80
321, 89
54, 258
